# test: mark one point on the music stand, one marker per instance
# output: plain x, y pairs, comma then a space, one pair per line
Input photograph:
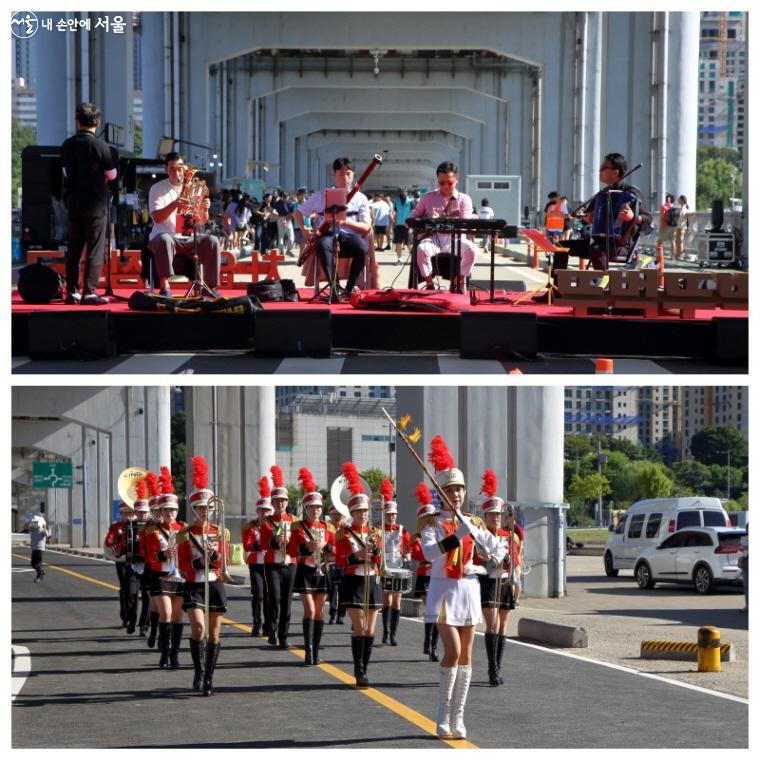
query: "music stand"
544, 244
198, 287
332, 284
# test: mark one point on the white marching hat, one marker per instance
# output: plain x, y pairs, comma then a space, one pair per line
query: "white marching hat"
492, 504
358, 501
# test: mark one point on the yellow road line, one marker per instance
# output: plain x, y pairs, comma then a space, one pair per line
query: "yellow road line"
400, 709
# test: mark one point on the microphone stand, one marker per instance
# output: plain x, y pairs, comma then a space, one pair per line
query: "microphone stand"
198, 287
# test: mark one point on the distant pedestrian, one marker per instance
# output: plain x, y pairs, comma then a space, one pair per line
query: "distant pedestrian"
38, 535
485, 212
683, 225
668, 224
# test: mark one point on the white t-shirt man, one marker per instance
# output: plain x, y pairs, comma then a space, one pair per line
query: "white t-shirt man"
161, 195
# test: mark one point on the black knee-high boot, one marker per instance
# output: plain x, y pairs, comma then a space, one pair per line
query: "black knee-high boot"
318, 626
395, 615
366, 655
308, 640
153, 629
163, 644
434, 643
426, 641
176, 636
499, 654
197, 652
357, 645
212, 654
386, 613
491, 654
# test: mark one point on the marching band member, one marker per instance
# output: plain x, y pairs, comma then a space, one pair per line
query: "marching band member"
358, 553
495, 610
154, 496
114, 547
453, 600
255, 560
142, 510
397, 548
335, 519
278, 566
201, 547
511, 525
167, 588
311, 541
422, 580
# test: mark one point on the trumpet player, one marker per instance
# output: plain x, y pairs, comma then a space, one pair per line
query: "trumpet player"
251, 536
358, 553
171, 240
496, 593
278, 567
311, 543
397, 546
335, 519
453, 600
422, 575
167, 589
201, 547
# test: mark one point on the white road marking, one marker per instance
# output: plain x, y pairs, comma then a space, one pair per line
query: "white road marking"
22, 570
22, 666
623, 668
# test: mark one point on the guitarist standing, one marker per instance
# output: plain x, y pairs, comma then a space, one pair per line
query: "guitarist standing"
352, 228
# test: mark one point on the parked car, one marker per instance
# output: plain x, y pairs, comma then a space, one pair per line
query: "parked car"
650, 521
702, 556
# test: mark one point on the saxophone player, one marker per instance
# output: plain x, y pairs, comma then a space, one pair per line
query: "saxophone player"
311, 542
171, 240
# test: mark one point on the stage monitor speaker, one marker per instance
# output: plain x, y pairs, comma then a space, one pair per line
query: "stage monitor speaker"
491, 335
279, 332
731, 343
76, 334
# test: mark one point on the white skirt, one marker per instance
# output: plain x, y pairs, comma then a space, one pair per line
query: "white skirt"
454, 601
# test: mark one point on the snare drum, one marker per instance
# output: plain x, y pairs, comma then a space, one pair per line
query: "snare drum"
397, 580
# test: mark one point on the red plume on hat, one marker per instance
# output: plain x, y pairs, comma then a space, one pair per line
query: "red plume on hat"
352, 476
264, 488
489, 483
200, 473
422, 492
277, 481
386, 489
306, 479
439, 455
141, 489
153, 488
166, 481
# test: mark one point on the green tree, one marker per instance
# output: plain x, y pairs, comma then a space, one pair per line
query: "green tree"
138, 138
653, 483
693, 476
588, 488
178, 452
717, 178
374, 478
711, 444
21, 136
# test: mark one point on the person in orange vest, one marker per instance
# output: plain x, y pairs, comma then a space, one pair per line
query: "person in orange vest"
554, 217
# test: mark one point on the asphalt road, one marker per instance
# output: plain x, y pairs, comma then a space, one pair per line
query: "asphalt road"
90, 685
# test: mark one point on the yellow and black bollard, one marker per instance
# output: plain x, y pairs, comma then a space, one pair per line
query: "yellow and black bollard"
708, 650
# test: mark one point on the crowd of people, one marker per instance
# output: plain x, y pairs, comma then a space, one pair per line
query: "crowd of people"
467, 571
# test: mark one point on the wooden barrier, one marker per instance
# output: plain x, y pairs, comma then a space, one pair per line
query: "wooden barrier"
689, 291
635, 288
582, 290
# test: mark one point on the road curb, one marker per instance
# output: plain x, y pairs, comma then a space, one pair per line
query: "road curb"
680, 650
557, 634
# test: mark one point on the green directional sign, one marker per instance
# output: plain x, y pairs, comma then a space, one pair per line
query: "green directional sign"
52, 475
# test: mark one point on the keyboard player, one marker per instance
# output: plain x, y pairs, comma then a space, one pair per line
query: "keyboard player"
449, 202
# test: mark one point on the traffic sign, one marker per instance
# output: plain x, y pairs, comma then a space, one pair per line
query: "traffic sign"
52, 475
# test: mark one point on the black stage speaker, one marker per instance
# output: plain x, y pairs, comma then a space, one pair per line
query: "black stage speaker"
731, 344
74, 335
292, 333
494, 335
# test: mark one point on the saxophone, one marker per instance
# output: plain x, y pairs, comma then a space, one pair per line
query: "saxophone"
194, 191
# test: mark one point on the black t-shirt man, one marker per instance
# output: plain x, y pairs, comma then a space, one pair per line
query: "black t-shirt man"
88, 167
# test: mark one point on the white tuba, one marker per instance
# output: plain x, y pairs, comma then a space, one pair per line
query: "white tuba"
340, 494
126, 485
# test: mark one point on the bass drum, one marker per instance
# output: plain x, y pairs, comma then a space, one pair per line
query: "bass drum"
397, 580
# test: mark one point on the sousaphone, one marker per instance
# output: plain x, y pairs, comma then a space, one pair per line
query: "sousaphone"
126, 485
340, 494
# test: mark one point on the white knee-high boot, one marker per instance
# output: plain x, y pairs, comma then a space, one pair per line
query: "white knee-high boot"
447, 677
458, 700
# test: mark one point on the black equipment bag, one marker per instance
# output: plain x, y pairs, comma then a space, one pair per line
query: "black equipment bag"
274, 290
39, 283
243, 305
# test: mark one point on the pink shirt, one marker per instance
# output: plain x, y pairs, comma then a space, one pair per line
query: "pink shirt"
435, 202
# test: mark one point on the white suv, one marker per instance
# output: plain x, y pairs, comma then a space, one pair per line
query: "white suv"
702, 556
